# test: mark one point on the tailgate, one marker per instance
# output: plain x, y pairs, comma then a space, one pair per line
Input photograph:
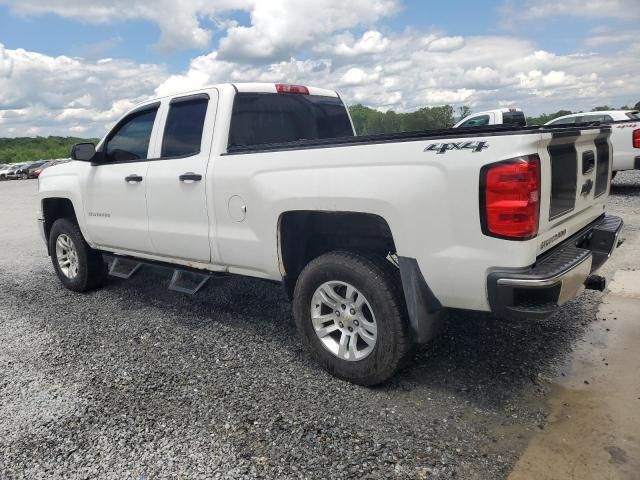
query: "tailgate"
575, 181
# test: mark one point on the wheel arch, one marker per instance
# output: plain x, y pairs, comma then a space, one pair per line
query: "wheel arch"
306, 234
54, 208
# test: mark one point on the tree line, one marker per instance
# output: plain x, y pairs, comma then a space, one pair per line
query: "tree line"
31, 149
367, 121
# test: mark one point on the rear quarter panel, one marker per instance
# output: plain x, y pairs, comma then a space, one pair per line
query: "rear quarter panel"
429, 200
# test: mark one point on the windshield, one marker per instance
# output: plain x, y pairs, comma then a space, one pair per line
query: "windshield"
634, 115
262, 118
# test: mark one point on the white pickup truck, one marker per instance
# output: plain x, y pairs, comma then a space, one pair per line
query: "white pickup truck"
508, 117
625, 133
373, 237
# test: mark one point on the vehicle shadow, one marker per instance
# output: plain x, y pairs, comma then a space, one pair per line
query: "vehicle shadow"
478, 356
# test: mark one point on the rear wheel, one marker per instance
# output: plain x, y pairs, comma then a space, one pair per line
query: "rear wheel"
78, 266
24, 176
350, 313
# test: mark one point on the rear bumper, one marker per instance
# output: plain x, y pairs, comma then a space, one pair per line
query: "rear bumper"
636, 163
558, 276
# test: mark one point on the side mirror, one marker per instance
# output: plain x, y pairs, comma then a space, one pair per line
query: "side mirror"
83, 152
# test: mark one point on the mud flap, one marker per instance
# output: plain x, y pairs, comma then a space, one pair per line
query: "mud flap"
425, 311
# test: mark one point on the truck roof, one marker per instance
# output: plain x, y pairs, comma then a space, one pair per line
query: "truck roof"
616, 114
248, 87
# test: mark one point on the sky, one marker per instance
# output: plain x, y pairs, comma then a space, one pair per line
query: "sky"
73, 67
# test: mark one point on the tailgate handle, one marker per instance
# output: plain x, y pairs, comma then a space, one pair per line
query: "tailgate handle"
588, 162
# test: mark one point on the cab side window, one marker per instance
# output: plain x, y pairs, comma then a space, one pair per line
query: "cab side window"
564, 121
129, 141
479, 121
597, 118
183, 130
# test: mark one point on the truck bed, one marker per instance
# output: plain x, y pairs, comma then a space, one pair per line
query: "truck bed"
442, 133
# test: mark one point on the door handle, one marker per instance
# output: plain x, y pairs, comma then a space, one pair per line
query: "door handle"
190, 177
133, 178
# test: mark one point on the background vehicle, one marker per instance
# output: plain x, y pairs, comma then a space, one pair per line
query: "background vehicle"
3, 171
12, 173
35, 172
625, 133
23, 172
373, 237
509, 117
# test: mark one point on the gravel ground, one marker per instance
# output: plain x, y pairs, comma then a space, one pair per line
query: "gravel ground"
134, 381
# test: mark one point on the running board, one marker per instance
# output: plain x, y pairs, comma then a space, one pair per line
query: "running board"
183, 280
124, 267
187, 282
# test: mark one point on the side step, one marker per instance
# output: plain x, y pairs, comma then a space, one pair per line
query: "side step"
187, 282
182, 280
124, 267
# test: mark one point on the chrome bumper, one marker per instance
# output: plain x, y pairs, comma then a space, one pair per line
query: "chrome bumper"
558, 276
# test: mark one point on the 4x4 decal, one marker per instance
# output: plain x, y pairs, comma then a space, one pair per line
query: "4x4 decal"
445, 147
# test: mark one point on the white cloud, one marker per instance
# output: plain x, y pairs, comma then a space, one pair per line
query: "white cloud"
537, 9
407, 74
446, 44
329, 43
179, 21
280, 28
345, 45
40, 94
598, 39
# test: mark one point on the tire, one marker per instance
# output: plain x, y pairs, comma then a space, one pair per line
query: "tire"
24, 176
379, 283
91, 271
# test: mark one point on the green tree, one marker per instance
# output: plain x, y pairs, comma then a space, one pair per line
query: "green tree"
30, 149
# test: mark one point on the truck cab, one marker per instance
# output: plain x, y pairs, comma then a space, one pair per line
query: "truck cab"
509, 117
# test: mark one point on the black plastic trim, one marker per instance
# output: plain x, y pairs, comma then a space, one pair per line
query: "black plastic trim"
636, 163
189, 98
564, 175
595, 241
406, 137
422, 305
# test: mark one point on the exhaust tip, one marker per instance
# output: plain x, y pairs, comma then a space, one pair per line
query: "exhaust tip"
595, 282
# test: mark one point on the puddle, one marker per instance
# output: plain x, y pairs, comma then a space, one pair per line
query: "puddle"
593, 431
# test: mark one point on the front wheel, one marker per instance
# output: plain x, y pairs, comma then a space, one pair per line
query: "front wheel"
350, 313
78, 266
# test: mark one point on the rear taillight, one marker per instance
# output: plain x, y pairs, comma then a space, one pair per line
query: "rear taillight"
636, 139
510, 198
284, 88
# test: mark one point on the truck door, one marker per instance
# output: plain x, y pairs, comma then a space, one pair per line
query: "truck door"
176, 186
114, 191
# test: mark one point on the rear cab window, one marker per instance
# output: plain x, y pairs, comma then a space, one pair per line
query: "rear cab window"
264, 118
597, 118
514, 119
